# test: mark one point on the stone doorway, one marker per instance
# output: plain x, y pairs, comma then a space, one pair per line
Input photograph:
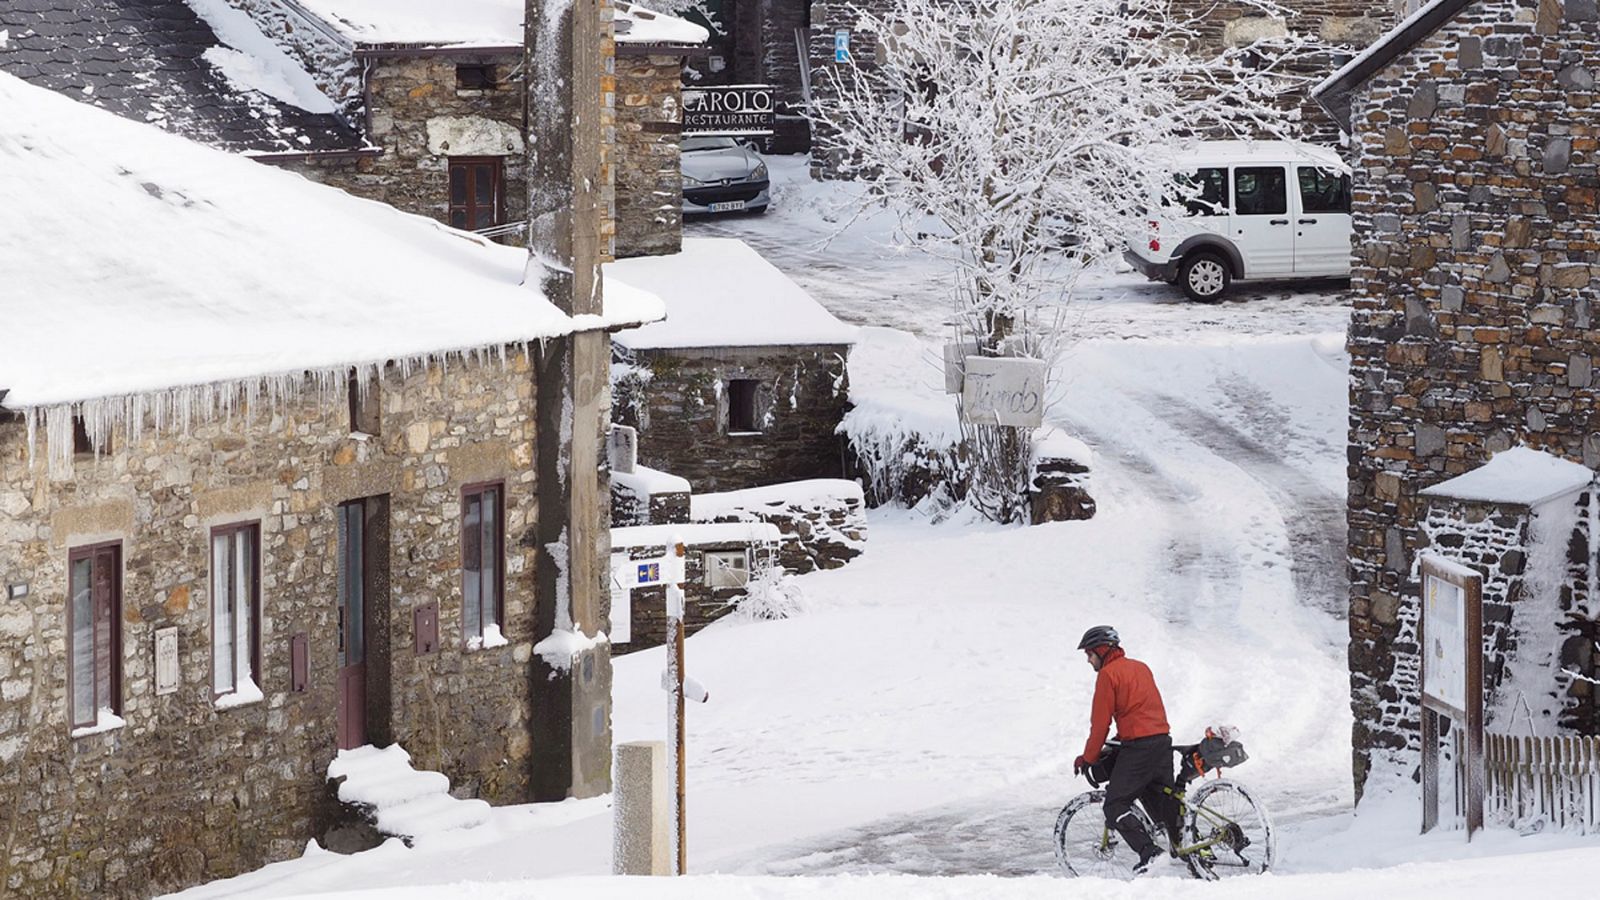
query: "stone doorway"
363, 617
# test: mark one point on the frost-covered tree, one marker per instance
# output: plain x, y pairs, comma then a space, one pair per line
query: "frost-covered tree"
1021, 141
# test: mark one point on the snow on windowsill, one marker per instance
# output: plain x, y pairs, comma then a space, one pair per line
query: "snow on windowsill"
492, 637
746, 433
246, 694
105, 720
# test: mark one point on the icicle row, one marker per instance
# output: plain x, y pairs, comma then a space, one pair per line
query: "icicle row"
179, 409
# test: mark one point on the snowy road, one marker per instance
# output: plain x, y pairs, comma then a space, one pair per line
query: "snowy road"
1247, 512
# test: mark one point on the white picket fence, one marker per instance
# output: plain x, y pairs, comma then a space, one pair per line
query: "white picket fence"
1542, 782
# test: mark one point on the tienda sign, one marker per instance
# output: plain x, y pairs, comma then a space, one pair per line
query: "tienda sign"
737, 109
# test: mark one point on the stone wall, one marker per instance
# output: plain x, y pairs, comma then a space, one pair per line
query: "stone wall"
649, 181
702, 605
185, 791
823, 521
1473, 328
1345, 26
678, 401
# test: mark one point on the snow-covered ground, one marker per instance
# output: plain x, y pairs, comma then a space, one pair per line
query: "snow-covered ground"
920, 717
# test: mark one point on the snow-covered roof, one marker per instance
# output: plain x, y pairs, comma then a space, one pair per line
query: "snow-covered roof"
474, 23
720, 292
636, 25
1521, 476
137, 261
201, 69
1224, 153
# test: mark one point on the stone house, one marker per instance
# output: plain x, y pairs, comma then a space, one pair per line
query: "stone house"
425, 113
443, 97
260, 504
745, 384
1474, 183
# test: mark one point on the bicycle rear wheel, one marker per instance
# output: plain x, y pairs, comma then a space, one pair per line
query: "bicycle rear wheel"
1086, 847
1238, 829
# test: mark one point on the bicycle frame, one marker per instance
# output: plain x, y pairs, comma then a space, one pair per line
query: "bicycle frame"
1183, 810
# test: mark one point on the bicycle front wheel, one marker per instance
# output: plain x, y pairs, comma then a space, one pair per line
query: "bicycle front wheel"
1235, 830
1087, 847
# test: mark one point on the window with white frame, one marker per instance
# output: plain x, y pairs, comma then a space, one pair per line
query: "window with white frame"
482, 565
236, 614
727, 568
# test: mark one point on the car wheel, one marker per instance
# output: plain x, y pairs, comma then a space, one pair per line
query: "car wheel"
1204, 276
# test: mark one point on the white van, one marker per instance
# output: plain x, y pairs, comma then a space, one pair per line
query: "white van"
1264, 209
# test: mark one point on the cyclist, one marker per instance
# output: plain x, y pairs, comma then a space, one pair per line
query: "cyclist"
1125, 691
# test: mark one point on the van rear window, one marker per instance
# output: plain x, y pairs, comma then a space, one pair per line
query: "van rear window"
1203, 192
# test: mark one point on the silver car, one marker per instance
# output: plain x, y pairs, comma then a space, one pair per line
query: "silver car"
721, 175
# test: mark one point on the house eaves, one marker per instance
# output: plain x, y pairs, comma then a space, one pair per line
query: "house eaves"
1335, 91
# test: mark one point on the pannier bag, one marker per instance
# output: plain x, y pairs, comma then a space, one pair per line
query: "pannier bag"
1099, 771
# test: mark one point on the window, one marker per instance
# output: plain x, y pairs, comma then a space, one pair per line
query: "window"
1205, 192
1324, 191
475, 77
482, 565
366, 407
742, 416
727, 568
475, 192
1260, 191
236, 612
94, 618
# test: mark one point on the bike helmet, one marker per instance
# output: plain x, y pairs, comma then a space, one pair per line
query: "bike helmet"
1099, 636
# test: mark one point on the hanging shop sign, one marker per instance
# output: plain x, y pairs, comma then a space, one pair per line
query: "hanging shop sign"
735, 109
1003, 391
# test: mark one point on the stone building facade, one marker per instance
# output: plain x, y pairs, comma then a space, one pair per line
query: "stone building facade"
1473, 329
447, 115
761, 44
193, 787
686, 402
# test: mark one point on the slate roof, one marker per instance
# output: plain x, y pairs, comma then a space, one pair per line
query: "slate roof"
142, 59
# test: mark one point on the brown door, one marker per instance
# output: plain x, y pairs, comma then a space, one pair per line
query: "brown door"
353, 582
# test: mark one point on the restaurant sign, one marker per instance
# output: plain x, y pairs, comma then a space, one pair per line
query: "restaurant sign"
738, 109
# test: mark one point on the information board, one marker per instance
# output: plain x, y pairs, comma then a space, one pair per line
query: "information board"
1444, 611
1003, 391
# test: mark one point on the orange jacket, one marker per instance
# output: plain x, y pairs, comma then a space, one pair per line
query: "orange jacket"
1125, 691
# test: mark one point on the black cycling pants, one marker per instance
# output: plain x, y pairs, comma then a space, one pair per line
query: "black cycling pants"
1142, 769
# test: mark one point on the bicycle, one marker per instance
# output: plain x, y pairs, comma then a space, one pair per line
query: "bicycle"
1223, 831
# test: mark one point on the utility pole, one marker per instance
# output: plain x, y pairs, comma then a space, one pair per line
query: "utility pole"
571, 697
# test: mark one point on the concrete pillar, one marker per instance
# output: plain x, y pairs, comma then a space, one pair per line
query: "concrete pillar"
571, 692
640, 811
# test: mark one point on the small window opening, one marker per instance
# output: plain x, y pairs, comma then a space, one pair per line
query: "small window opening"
365, 404
475, 77
742, 406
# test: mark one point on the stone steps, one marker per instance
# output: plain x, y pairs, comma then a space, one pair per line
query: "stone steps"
398, 800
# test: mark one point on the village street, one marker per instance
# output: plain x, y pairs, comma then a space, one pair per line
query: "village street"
919, 717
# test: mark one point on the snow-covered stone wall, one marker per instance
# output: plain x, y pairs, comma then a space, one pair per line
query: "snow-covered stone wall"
188, 788
1473, 329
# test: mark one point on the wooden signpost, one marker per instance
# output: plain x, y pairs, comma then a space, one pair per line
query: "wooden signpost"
1450, 638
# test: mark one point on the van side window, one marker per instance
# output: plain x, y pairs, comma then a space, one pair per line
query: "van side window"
1205, 192
1324, 191
1260, 191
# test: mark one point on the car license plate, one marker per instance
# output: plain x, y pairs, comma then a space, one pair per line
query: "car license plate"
728, 206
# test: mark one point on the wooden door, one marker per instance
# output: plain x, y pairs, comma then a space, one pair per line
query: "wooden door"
353, 580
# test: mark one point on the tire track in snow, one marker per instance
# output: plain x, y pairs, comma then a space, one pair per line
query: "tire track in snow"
1313, 515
